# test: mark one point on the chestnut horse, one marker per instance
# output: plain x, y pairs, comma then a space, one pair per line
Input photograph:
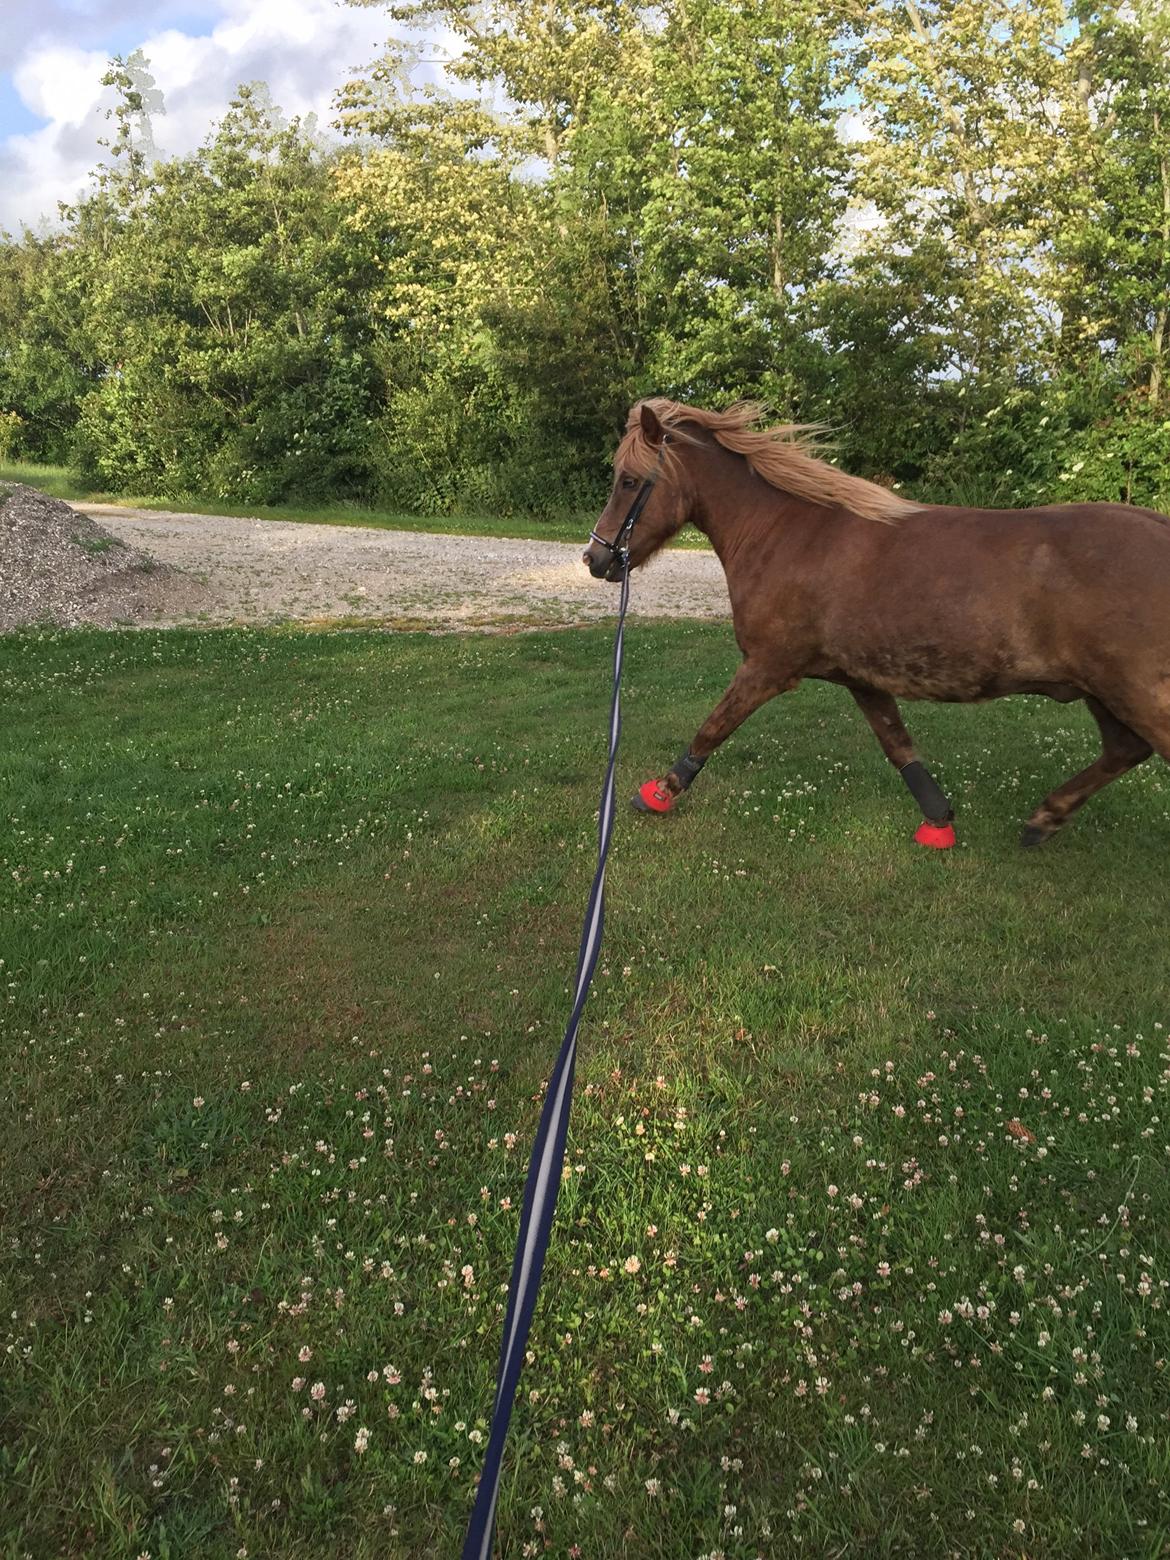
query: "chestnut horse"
834, 578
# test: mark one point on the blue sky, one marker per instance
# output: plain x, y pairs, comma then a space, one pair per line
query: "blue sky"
53, 53
13, 114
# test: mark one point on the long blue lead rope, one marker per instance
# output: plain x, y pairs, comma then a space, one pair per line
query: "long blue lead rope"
544, 1168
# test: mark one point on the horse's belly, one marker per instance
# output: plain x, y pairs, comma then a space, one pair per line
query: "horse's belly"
928, 672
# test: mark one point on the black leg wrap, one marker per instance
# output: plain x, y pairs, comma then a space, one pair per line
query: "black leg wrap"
922, 787
685, 768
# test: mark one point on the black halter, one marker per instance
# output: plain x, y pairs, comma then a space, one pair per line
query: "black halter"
619, 549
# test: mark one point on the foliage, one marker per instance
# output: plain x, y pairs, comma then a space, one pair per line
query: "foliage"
746, 192
10, 425
45, 359
1117, 245
235, 363
941, 227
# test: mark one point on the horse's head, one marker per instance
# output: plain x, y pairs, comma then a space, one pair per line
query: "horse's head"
641, 458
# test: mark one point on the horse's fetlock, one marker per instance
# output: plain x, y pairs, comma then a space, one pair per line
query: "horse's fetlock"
1042, 825
684, 771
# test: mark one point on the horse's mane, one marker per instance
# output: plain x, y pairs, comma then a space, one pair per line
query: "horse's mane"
784, 456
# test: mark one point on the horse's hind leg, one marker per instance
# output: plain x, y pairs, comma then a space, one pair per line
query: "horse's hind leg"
1123, 749
885, 720
1151, 717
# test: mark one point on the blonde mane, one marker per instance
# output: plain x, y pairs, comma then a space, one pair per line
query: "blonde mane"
784, 456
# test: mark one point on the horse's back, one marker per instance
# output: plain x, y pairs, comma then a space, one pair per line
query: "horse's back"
958, 603
1098, 515
1109, 540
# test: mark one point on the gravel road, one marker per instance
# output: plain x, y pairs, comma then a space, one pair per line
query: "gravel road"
265, 571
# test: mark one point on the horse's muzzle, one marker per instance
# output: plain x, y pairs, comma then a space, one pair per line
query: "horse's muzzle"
602, 565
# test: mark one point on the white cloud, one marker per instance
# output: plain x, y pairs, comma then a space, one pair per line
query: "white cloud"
303, 49
56, 81
860, 223
853, 126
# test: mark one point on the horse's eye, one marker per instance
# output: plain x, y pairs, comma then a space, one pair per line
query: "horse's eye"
628, 482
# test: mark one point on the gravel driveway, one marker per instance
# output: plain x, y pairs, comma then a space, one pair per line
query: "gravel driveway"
264, 571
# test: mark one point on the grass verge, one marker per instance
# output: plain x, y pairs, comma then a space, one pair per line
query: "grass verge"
59, 482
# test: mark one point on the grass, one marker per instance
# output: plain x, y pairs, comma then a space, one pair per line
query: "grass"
59, 482
97, 545
862, 1239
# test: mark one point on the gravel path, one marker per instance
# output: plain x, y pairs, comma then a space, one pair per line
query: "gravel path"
264, 571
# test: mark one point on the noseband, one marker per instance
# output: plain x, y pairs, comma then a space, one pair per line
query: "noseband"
619, 549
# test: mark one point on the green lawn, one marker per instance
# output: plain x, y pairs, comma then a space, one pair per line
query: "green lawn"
59, 482
863, 1236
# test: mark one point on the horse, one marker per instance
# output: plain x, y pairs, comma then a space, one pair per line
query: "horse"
834, 578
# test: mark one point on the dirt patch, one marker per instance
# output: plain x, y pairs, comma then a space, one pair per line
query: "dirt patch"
61, 568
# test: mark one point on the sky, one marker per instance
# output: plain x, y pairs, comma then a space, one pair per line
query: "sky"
53, 54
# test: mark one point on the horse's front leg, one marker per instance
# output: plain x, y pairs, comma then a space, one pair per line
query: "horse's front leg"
885, 721
751, 686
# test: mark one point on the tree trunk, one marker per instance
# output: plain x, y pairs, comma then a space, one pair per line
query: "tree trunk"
966, 178
1160, 319
778, 256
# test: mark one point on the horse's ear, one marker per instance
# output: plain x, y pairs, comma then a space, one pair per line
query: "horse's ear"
652, 430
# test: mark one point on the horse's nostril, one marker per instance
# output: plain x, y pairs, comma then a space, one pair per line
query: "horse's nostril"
585, 558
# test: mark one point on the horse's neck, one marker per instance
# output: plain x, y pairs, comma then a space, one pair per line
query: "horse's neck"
743, 517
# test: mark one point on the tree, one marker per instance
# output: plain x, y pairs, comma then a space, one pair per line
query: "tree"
943, 226
972, 112
747, 191
494, 297
234, 360
46, 363
132, 144
1115, 248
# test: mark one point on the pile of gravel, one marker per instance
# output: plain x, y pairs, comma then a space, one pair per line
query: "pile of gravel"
60, 568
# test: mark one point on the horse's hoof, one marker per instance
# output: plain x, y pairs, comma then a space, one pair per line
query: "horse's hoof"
1031, 835
653, 797
938, 836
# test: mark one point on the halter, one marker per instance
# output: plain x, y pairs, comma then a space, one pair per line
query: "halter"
618, 549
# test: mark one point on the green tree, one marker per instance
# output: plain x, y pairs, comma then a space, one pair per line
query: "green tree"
494, 297
1113, 259
659, 200
941, 225
971, 112
235, 357
748, 187
131, 145
46, 364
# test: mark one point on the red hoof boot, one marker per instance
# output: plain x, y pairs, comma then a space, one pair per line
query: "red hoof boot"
653, 797
939, 836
